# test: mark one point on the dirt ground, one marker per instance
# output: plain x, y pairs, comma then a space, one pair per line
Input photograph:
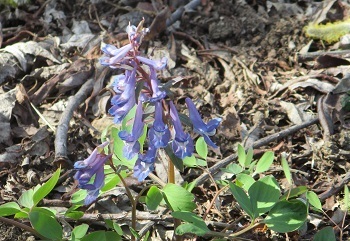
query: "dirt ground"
246, 61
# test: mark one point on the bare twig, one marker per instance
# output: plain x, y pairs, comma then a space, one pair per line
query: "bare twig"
313, 55
178, 13
336, 188
264, 141
22, 226
63, 125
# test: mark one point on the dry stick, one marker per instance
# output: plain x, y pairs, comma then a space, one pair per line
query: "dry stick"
22, 226
313, 55
178, 13
336, 188
264, 141
63, 125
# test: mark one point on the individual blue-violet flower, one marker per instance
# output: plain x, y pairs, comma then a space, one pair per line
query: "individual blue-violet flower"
155, 64
131, 143
93, 165
114, 56
123, 102
157, 94
145, 163
199, 126
159, 134
182, 144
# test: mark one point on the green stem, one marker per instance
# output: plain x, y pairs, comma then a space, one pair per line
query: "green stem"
171, 179
133, 206
22, 226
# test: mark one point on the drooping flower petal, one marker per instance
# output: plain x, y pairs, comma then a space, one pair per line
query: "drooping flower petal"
122, 103
159, 134
155, 64
142, 169
132, 145
113, 55
93, 165
199, 126
182, 144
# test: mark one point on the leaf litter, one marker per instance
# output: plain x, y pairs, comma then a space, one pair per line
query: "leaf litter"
260, 74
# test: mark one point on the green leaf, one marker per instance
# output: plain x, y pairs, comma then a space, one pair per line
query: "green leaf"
241, 155
242, 199
325, 234
233, 168
286, 170
249, 157
245, 181
295, 192
79, 231
112, 180
76, 215
314, 200
263, 194
79, 196
113, 225
190, 161
264, 162
153, 198
134, 233
9, 208
178, 198
46, 188
46, 225
286, 216
26, 199
202, 148
195, 224
190, 228
102, 236
44, 210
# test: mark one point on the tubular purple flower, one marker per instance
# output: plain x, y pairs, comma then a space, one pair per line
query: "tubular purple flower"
145, 163
156, 93
182, 144
159, 134
132, 145
93, 165
199, 126
124, 102
155, 64
119, 82
113, 55
142, 169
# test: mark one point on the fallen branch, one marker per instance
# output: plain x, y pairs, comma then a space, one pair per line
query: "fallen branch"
336, 188
264, 141
178, 13
63, 125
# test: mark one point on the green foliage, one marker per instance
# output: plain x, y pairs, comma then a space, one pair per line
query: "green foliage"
286, 170
113, 225
102, 236
325, 234
264, 162
153, 198
46, 225
194, 225
286, 216
46, 188
263, 194
314, 200
202, 148
79, 232
178, 198
9, 208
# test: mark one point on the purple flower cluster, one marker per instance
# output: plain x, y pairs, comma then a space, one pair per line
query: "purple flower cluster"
139, 85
